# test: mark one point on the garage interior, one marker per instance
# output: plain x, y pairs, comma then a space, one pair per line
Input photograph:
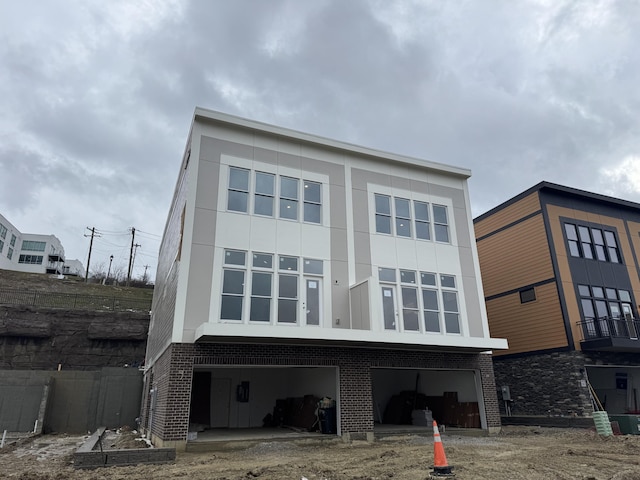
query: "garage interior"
403, 397
264, 401
617, 388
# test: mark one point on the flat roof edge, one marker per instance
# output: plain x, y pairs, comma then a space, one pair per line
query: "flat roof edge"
213, 115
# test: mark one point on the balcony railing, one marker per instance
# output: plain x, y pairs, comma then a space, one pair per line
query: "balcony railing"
607, 327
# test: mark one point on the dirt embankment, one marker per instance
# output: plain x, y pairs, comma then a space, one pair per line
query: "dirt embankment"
518, 453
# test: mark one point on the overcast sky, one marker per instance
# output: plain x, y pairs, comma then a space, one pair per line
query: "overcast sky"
96, 97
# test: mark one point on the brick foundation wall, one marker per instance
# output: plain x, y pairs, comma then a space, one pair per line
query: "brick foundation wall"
172, 375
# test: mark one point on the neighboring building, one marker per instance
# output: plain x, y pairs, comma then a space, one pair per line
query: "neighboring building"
73, 268
294, 266
33, 253
562, 281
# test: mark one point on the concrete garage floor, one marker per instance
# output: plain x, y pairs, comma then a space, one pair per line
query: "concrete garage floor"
222, 439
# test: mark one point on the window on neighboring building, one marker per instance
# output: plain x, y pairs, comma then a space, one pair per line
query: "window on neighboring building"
9, 253
1, 246
592, 243
264, 194
527, 295
30, 259
238, 195
441, 223
3, 231
612, 247
13, 240
33, 246
606, 311
421, 211
289, 198
312, 201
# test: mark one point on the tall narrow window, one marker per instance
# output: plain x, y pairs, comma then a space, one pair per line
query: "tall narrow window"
383, 213
289, 198
13, 240
598, 244
441, 223
261, 287
431, 310
9, 253
233, 285
585, 242
388, 297
1, 245
410, 310
421, 210
612, 247
572, 239
288, 290
3, 231
263, 199
238, 196
450, 304
312, 202
403, 217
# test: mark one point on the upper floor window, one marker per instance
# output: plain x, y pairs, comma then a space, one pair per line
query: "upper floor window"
3, 231
427, 302
33, 246
238, 198
264, 194
312, 202
259, 195
606, 312
289, 198
10, 253
13, 240
1, 246
30, 259
441, 223
592, 243
270, 288
411, 218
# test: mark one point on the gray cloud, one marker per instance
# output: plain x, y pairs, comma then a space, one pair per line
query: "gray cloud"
98, 96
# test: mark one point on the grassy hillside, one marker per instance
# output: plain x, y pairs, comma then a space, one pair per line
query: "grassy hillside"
51, 284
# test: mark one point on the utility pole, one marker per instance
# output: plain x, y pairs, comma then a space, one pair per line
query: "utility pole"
93, 234
145, 272
104, 282
133, 236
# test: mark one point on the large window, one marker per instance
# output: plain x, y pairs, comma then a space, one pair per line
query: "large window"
257, 192
9, 253
606, 312
592, 243
30, 259
283, 289
3, 231
411, 218
429, 302
13, 240
32, 246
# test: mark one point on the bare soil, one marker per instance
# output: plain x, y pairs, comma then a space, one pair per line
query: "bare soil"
518, 453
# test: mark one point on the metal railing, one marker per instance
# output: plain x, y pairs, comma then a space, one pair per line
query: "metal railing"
607, 327
73, 301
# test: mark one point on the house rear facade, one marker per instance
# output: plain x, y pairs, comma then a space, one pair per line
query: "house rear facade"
295, 268
560, 269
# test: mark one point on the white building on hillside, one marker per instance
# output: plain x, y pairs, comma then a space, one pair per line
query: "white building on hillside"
33, 253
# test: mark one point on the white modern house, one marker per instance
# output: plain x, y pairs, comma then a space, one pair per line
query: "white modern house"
33, 253
297, 267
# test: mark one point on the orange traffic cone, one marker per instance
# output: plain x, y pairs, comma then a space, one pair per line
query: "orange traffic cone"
440, 466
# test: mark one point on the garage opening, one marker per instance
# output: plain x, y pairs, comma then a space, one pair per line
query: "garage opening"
263, 401
617, 388
403, 397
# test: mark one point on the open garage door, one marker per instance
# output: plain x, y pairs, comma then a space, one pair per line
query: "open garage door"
262, 397
617, 388
412, 397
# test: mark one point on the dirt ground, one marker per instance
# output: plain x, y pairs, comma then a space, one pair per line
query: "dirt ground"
517, 453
